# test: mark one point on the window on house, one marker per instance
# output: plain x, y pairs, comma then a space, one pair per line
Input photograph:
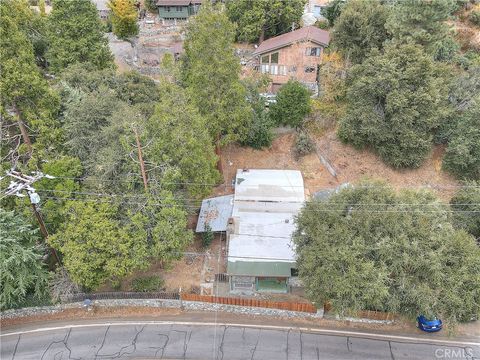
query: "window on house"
282, 70
313, 51
179, 8
265, 59
293, 272
310, 69
274, 58
167, 8
265, 69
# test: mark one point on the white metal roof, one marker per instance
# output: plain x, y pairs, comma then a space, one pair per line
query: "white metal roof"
264, 207
269, 185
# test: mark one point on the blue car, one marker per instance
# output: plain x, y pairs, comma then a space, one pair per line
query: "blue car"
429, 325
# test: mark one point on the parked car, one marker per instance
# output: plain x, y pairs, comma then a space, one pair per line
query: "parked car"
429, 324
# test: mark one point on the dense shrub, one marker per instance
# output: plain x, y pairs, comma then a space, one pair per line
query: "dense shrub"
207, 236
463, 152
466, 208
260, 133
394, 102
147, 284
303, 145
293, 104
322, 24
474, 17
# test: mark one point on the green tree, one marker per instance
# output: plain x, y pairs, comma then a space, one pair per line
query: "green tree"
21, 268
96, 247
424, 23
26, 97
466, 207
179, 141
76, 36
361, 28
333, 10
259, 133
55, 192
261, 19
124, 18
211, 74
462, 157
372, 248
293, 104
394, 102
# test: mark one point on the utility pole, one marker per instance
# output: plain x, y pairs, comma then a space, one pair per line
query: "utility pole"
140, 159
23, 129
24, 182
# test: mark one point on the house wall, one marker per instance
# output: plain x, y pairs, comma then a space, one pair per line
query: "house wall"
296, 61
176, 12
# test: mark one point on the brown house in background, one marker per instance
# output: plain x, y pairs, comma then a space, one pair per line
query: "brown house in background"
294, 55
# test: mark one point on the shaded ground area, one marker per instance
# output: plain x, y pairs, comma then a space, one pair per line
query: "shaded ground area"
351, 165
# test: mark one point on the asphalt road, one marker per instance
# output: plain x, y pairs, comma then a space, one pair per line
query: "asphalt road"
171, 340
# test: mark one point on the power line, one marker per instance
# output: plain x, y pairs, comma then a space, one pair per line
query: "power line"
427, 186
344, 209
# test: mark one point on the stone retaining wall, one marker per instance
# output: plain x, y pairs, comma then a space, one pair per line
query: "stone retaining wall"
178, 304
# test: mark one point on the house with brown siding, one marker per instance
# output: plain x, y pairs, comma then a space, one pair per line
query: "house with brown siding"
294, 55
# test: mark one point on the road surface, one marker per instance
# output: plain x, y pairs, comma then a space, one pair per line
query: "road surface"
197, 340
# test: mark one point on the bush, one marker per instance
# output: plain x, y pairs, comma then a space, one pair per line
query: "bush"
466, 208
474, 17
260, 134
322, 24
293, 104
147, 284
303, 145
462, 157
151, 5
207, 236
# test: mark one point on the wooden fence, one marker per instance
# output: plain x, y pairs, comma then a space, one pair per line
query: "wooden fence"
302, 307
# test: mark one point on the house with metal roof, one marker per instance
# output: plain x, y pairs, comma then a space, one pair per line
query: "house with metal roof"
261, 256
293, 55
177, 9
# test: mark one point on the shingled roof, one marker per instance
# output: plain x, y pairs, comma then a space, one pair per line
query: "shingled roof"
308, 33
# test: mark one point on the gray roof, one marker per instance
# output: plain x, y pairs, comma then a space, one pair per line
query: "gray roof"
216, 211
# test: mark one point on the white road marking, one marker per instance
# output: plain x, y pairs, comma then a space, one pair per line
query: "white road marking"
267, 327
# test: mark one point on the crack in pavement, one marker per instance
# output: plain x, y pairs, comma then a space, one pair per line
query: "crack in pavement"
56, 342
184, 342
256, 344
348, 344
301, 346
220, 348
391, 351
16, 346
103, 341
120, 353
288, 334
160, 347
